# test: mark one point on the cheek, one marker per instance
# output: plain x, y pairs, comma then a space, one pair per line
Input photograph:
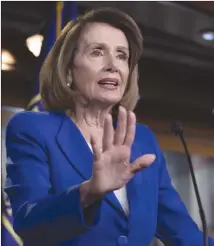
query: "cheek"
84, 74
125, 74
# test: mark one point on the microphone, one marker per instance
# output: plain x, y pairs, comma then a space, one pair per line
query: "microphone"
178, 131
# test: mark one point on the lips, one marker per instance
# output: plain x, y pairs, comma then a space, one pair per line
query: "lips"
109, 81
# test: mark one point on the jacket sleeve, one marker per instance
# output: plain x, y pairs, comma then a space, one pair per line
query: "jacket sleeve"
175, 225
40, 218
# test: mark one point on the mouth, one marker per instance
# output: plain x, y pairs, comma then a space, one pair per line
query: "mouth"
109, 83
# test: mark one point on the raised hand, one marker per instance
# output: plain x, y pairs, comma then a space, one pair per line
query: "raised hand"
112, 169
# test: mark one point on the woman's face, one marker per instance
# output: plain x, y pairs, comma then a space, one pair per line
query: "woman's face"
100, 70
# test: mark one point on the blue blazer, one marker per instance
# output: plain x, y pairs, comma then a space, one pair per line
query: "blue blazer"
47, 159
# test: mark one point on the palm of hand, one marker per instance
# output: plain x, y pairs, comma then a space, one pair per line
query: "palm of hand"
112, 169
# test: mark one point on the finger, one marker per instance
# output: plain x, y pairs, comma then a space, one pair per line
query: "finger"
108, 132
121, 126
142, 162
96, 148
130, 130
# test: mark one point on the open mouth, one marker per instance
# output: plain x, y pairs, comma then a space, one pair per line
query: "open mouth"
108, 83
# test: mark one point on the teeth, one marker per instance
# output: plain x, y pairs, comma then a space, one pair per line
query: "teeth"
109, 83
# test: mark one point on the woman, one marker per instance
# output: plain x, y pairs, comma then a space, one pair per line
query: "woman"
75, 175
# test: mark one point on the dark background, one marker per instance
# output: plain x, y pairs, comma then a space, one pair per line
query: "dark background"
176, 69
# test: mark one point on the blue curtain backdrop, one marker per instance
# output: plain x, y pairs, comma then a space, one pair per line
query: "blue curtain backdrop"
64, 11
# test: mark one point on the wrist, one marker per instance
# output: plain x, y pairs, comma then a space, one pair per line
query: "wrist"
88, 193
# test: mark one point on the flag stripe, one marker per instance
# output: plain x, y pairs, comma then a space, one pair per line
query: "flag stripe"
34, 100
9, 211
9, 227
59, 7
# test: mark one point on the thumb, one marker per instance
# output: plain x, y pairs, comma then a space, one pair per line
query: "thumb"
142, 162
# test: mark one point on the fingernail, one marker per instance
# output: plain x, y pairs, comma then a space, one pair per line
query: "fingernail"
151, 156
132, 113
121, 108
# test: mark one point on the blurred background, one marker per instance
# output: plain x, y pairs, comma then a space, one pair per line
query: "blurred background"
176, 79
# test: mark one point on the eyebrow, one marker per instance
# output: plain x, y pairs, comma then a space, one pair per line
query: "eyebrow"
96, 43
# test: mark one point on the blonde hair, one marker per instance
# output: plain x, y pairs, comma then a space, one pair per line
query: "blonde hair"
54, 79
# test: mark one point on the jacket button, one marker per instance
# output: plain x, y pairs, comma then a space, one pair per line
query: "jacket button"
122, 240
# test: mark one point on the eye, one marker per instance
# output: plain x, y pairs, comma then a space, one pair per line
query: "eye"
123, 56
97, 52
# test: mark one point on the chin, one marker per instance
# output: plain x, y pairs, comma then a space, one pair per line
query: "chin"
110, 101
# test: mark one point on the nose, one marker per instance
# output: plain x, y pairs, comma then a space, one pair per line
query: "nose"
110, 64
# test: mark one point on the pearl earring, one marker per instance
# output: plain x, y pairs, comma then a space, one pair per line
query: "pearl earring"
68, 84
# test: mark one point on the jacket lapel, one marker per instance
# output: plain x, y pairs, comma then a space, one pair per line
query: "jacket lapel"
140, 193
73, 145
131, 186
135, 183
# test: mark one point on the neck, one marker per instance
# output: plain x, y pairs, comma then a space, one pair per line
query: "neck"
90, 119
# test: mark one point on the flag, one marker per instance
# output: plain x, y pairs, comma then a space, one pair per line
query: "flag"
64, 12
9, 237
